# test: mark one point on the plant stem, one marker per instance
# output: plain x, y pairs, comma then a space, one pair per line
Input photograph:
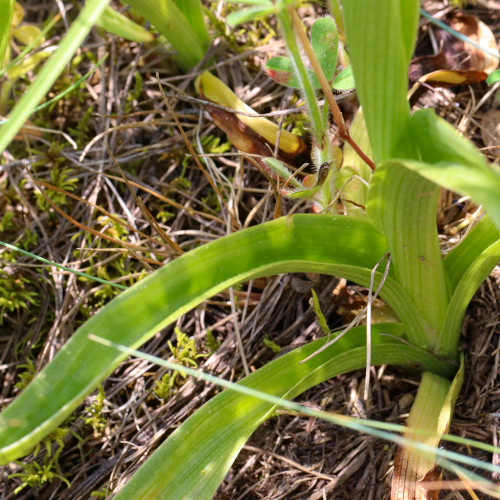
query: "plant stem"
317, 121
337, 114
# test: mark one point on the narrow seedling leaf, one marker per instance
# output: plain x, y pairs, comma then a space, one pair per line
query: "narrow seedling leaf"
244, 16
118, 24
319, 314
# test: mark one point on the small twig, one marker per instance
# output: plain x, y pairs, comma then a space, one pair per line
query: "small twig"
332, 103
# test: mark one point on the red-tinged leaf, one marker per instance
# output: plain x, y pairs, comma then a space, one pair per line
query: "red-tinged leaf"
281, 70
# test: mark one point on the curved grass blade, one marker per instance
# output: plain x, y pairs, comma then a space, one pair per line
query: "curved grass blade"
334, 245
194, 460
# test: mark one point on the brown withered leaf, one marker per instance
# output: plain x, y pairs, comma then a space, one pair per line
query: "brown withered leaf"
249, 141
464, 56
458, 62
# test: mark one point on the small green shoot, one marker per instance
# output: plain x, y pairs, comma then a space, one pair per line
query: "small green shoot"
270, 344
186, 354
319, 314
96, 420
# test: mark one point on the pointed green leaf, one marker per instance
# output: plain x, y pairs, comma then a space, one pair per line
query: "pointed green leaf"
196, 457
454, 163
115, 22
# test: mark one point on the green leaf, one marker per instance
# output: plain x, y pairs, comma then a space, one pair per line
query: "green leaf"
324, 41
311, 243
465, 289
493, 77
454, 163
118, 24
380, 43
170, 21
246, 15
193, 12
403, 206
344, 80
6, 13
463, 256
196, 457
353, 164
281, 70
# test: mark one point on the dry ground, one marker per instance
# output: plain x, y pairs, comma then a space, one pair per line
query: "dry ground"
289, 456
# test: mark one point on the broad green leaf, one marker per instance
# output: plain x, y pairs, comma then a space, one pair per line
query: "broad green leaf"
403, 206
340, 246
169, 20
51, 69
344, 80
379, 36
196, 457
465, 289
439, 142
6, 13
325, 41
118, 24
454, 163
460, 258
193, 12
